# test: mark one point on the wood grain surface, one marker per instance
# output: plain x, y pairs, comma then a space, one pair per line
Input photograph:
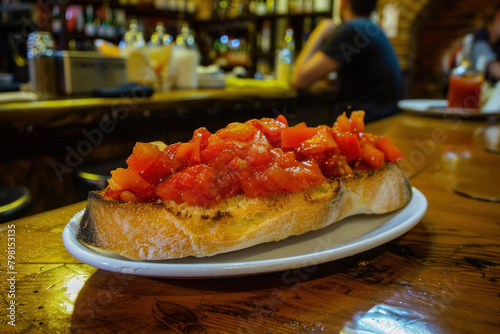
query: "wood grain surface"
442, 276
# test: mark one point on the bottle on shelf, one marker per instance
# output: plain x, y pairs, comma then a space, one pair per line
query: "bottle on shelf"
322, 5
285, 57
89, 25
56, 20
264, 37
160, 37
465, 80
282, 7
133, 38
185, 60
41, 64
160, 51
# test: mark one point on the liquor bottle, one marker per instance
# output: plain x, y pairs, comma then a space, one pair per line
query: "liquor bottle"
89, 25
186, 58
133, 38
160, 37
465, 81
285, 57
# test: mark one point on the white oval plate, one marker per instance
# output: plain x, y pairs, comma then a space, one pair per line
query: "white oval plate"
430, 107
348, 237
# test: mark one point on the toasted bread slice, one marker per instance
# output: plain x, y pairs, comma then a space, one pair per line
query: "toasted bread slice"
146, 231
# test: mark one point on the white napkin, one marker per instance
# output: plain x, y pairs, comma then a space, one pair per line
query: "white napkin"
493, 103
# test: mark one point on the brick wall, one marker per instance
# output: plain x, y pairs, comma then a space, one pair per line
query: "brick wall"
426, 29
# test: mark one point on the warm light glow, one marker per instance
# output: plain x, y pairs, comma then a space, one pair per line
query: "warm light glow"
383, 319
73, 287
235, 43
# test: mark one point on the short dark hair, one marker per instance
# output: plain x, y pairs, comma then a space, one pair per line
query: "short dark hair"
363, 7
491, 18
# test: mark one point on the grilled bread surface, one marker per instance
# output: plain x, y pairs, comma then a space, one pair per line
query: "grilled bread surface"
147, 231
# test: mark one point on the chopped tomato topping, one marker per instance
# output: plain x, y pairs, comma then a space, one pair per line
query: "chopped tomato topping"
372, 156
127, 179
190, 152
354, 123
271, 128
349, 145
293, 137
237, 131
255, 158
143, 157
152, 164
392, 152
320, 143
357, 121
282, 119
300, 125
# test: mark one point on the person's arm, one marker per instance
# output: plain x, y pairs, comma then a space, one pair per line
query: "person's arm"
494, 69
449, 58
312, 64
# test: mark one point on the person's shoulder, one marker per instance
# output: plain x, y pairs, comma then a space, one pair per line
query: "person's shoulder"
361, 22
364, 26
481, 34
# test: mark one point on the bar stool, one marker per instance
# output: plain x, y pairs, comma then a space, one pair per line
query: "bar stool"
95, 176
14, 202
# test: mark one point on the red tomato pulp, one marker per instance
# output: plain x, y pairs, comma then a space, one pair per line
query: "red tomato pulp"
255, 158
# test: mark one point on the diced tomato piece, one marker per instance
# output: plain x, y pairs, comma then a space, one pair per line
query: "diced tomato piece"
113, 190
152, 164
294, 136
194, 185
300, 125
190, 152
143, 156
215, 146
321, 142
237, 131
392, 152
271, 128
258, 154
282, 119
279, 179
342, 124
308, 174
349, 145
127, 179
238, 165
128, 196
372, 156
169, 163
354, 124
250, 184
227, 183
283, 159
201, 136
357, 119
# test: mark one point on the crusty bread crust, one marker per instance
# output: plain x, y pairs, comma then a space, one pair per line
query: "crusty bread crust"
168, 231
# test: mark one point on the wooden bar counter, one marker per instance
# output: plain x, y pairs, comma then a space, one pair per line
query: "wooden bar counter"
41, 112
442, 276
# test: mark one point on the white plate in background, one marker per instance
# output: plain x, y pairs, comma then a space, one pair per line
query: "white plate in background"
437, 107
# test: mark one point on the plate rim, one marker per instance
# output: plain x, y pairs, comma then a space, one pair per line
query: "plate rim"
416, 208
430, 111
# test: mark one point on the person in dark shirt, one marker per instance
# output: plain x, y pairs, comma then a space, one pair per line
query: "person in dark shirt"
368, 72
487, 46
